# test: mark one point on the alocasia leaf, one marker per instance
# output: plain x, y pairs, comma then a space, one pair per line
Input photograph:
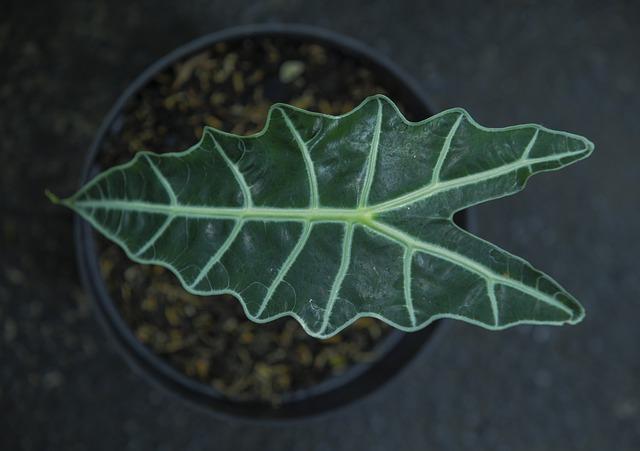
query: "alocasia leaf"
331, 218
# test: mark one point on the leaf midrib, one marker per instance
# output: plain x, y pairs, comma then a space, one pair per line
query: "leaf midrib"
244, 213
437, 187
363, 217
435, 250
317, 213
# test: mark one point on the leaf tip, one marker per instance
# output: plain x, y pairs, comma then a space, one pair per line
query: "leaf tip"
583, 146
52, 197
56, 200
578, 316
589, 146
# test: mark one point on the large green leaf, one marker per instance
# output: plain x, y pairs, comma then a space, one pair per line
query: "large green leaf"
331, 218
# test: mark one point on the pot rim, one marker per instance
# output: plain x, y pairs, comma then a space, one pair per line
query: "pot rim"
339, 392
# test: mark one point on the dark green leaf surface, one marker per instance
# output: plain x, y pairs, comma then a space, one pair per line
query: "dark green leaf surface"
331, 218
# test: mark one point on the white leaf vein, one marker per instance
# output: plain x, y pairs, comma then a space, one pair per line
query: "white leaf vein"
290, 260
373, 156
347, 243
244, 187
215, 258
163, 181
446, 146
314, 200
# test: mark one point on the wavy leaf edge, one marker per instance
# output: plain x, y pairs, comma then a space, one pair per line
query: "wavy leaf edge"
577, 316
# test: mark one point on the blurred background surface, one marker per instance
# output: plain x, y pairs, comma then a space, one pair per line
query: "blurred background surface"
572, 65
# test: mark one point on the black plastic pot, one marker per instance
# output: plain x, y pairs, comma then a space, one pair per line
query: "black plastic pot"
395, 351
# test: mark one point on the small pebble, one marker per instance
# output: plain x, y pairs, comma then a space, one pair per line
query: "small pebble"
290, 70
